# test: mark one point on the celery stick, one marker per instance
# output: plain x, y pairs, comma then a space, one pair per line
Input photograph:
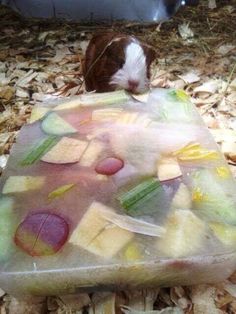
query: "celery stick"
39, 150
144, 198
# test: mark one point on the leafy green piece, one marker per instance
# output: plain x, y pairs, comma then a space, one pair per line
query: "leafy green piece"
39, 150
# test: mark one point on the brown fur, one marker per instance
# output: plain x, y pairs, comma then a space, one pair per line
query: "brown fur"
105, 56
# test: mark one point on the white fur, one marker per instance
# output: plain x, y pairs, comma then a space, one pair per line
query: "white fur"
134, 68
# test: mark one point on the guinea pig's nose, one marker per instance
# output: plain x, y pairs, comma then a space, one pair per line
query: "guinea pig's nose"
132, 85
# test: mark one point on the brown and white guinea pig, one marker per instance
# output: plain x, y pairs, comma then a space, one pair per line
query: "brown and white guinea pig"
117, 61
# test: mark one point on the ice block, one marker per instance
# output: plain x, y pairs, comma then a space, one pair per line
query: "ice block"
110, 192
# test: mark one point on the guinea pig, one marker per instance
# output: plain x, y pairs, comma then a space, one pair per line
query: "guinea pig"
117, 61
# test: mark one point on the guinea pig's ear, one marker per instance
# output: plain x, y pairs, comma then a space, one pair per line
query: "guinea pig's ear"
150, 53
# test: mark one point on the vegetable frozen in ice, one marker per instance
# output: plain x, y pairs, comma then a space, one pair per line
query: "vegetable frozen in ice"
23, 184
67, 150
97, 235
132, 252
105, 191
182, 198
93, 100
38, 113
144, 198
224, 232
107, 114
194, 152
60, 191
7, 227
92, 153
55, 125
109, 166
179, 95
39, 150
211, 199
168, 169
41, 234
185, 234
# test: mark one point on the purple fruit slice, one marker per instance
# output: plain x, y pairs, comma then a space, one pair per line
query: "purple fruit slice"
109, 166
42, 234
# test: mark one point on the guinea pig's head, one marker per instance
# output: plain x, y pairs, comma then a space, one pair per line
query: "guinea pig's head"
130, 62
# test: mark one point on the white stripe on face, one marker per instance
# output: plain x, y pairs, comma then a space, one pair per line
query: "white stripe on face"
134, 69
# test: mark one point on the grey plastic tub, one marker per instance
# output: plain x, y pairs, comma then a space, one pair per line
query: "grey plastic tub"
95, 11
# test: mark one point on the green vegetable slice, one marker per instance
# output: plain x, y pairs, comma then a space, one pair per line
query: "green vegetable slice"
53, 124
144, 198
39, 150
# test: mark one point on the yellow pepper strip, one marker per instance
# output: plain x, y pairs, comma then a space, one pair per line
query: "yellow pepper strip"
186, 148
199, 196
60, 191
194, 151
223, 172
182, 95
132, 252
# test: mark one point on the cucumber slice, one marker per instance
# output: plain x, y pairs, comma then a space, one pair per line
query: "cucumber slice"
39, 150
55, 125
144, 198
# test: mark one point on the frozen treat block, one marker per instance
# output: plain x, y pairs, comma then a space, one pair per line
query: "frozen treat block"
106, 191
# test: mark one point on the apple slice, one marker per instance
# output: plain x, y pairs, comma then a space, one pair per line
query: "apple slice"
92, 153
67, 150
168, 169
23, 184
55, 125
182, 198
97, 235
185, 234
